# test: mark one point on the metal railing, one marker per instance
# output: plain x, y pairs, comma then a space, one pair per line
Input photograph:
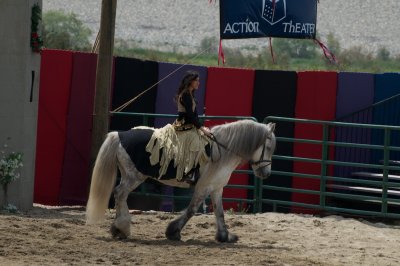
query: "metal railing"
326, 180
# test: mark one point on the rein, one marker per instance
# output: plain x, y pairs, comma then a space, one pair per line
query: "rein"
219, 144
255, 163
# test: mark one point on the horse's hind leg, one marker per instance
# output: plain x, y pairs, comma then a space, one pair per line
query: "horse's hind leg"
222, 235
174, 229
130, 179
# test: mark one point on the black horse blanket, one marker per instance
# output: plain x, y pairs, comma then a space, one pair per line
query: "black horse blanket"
134, 142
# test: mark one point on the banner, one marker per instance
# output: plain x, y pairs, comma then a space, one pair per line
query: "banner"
268, 18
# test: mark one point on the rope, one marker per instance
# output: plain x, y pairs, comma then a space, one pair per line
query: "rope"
273, 8
221, 53
328, 54
123, 106
271, 50
95, 48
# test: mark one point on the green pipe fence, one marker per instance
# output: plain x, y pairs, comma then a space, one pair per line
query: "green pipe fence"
326, 181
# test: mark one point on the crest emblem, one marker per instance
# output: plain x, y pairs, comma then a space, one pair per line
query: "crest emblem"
273, 11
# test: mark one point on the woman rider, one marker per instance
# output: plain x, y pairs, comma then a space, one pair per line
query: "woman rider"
185, 141
187, 111
188, 118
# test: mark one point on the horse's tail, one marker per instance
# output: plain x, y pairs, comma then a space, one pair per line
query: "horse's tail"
103, 179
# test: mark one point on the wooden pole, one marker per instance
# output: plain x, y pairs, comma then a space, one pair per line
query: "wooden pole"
103, 76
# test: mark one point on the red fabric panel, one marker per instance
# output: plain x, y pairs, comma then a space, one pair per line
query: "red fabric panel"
55, 80
230, 92
76, 169
316, 99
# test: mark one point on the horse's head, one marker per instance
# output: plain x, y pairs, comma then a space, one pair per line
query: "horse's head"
262, 157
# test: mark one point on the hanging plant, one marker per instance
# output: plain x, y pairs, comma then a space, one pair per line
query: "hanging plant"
36, 39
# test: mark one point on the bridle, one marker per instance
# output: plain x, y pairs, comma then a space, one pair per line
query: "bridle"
254, 164
261, 160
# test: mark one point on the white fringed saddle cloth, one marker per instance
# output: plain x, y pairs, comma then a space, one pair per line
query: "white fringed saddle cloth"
185, 148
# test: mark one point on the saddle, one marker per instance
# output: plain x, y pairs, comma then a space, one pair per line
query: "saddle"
186, 148
179, 125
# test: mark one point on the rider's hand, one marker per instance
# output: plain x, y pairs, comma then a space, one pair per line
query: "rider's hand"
206, 131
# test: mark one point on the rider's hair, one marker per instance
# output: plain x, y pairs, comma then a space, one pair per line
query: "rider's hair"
185, 83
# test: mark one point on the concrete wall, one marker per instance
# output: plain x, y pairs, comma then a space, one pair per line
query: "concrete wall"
18, 95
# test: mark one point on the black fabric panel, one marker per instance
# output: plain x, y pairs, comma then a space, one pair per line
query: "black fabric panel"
134, 142
133, 76
275, 95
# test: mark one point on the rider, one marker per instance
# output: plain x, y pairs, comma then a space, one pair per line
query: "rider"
187, 111
186, 142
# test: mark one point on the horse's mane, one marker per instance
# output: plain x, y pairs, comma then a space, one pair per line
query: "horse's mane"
241, 137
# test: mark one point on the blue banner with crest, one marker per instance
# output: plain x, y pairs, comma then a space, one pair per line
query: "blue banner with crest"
268, 18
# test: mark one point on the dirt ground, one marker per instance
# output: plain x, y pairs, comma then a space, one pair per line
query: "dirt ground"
59, 236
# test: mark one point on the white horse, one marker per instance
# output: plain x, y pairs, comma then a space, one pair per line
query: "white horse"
234, 143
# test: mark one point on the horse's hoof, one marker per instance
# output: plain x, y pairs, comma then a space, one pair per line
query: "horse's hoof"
232, 238
116, 233
226, 237
175, 236
173, 233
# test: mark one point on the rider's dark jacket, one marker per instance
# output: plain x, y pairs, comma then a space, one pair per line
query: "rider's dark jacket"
187, 111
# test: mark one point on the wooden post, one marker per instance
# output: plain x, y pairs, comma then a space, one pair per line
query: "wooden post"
103, 76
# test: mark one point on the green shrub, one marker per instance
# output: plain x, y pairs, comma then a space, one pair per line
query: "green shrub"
383, 54
294, 48
209, 45
65, 31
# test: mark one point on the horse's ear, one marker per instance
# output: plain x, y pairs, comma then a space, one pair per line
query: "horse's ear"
271, 127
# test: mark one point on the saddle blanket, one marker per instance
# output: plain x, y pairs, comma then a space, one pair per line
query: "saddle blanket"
157, 157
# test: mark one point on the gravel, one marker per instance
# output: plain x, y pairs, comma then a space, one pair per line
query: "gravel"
181, 25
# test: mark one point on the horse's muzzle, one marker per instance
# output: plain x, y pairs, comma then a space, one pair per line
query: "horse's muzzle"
262, 173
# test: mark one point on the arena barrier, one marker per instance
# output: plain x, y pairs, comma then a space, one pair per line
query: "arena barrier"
371, 189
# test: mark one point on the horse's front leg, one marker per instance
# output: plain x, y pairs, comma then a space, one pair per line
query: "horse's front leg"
174, 229
222, 235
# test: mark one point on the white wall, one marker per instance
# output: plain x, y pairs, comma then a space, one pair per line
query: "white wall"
18, 112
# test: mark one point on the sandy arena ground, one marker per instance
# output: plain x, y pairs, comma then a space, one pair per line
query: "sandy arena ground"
59, 236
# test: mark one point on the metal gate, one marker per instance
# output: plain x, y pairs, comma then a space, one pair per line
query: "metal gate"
359, 192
